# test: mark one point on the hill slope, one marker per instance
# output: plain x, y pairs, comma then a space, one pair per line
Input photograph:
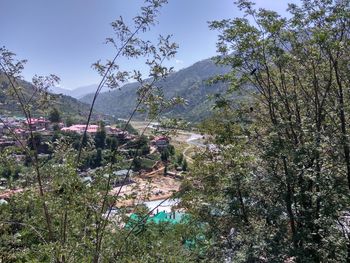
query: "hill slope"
189, 83
68, 106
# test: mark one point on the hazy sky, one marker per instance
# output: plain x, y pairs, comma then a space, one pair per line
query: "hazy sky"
65, 37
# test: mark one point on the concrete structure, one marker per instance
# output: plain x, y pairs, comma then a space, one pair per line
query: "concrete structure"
161, 141
36, 124
120, 177
80, 128
92, 129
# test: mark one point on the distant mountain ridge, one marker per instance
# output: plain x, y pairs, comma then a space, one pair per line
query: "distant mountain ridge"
78, 92
189, 83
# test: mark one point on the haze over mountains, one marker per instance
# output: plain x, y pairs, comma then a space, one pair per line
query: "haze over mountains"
78, 92
189, 83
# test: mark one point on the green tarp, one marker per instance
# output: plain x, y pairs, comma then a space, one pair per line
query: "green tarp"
172, 218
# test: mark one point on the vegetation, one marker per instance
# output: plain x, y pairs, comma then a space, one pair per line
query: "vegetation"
272, 184
68, 107
190, 83
62, 215
54, 115
276, 189
100, 137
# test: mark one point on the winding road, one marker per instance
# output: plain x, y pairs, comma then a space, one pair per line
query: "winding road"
194, 140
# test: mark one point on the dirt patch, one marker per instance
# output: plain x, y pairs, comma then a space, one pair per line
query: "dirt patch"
155, 187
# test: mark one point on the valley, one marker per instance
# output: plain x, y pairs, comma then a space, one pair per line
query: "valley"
175, 131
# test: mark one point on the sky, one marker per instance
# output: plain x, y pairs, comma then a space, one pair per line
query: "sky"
65, 37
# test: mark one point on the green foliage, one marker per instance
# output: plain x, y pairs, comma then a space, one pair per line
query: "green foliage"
189, 83
38, 143
98, 158
145, 150
179, 159
64, 213
136, 164
140, 142
184, 166
111, 142
65, 105
54, 115
171, 150
100, 137
272, 186
277, 181
129, 128
69, 121
164, 155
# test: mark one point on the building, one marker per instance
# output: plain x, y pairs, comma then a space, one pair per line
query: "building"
4, 142
20, 133
2, 129
9, 124
161, 141
112, 130
120, 177
80, 128
119, 133
37, 124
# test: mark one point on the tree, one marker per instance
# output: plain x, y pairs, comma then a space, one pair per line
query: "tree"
143, 141
100, 137
184, 165
60, 218
179, 159
36, 142
54, 115
145, 150
293, 123
137, 164
98, 158
164, 156
69, 121
111, 143
171, 150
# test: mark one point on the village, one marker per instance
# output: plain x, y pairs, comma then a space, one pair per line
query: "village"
15, 130
147, 178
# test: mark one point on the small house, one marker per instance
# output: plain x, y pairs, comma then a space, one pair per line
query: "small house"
36, 124
161, 141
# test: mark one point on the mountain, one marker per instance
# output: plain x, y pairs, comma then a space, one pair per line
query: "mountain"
59, 90
68, 106
189, 83
78, 92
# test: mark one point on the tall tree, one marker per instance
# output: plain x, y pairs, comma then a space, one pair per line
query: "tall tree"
55, 115
296, 115
100, 136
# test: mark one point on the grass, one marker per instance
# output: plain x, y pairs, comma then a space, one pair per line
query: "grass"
147, 163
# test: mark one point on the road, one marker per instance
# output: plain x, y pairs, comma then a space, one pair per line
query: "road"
196, 140
182, 138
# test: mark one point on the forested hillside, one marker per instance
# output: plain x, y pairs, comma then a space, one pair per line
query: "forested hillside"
190, 83
67, 105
